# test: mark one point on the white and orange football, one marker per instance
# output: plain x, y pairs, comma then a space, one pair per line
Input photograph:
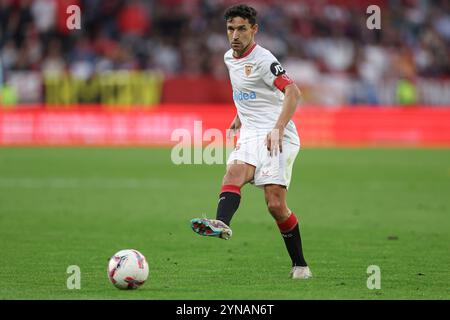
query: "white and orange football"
128, 269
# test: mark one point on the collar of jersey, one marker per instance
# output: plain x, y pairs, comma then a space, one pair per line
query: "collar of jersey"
246, 52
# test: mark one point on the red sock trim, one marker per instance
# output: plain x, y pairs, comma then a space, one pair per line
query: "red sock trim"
230, 188
289, 224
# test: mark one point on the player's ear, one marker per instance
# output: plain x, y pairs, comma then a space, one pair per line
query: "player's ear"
255, 28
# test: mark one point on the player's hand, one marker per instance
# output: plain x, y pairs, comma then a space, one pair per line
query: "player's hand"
274, 141
233, 129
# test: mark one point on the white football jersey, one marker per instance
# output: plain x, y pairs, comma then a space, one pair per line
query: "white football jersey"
258, 79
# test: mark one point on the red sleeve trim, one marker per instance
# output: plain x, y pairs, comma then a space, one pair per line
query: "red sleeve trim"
282, 81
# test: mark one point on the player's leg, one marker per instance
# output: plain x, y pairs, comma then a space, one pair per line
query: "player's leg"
237, 175
287, 222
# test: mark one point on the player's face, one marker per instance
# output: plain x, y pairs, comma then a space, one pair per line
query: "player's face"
240, 34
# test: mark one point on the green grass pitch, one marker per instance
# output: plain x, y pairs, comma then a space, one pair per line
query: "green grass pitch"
357, 207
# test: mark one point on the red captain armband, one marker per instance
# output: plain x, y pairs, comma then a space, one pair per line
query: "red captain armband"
282, 81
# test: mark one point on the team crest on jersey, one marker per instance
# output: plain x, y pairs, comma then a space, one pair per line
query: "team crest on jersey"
248, 69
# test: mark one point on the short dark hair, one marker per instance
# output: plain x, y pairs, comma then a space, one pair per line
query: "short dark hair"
243, 11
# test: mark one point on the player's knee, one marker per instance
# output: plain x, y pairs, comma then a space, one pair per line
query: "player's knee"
275, 207
233, 177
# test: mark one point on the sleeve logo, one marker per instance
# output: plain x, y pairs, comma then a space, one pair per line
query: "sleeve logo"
277, 69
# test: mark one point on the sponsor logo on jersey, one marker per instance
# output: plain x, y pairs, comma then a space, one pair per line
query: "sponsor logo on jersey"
248, 69
240, 96
277, 69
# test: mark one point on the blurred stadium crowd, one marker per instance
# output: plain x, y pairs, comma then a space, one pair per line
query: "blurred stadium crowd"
317, 41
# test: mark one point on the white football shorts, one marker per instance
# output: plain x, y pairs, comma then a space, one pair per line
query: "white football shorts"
269, 170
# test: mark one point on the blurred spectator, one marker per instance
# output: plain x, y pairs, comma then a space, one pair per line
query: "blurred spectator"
53, 63
134, 19
406, 92
44, 15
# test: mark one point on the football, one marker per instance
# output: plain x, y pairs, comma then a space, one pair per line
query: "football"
128, 269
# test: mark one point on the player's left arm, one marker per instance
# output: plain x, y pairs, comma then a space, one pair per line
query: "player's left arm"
291, 99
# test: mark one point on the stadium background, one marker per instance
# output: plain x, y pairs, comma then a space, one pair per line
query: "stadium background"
138, 70
163, 56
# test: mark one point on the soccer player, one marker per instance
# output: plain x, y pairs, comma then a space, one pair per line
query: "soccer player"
266, 99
